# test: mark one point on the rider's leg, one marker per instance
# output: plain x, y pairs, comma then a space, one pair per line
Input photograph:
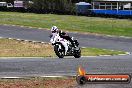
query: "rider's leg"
66, 47
69, 39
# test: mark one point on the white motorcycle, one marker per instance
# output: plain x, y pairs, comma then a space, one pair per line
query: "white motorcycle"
62, 47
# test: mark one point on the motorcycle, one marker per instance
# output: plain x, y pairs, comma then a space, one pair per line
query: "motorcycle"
62, 47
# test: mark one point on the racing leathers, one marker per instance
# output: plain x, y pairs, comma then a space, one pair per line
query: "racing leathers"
66, 36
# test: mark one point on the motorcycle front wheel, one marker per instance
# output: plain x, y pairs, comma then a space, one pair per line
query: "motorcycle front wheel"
59, 51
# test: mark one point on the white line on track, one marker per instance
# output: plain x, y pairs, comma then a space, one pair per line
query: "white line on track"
21, 57
44, 76
10, 38
11, 77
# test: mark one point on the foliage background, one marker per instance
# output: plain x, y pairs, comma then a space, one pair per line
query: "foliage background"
50, 6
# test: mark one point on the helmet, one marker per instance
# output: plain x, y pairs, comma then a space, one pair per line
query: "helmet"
54, 29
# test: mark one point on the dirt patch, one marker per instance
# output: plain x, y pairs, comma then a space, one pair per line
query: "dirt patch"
38, 83
21, 48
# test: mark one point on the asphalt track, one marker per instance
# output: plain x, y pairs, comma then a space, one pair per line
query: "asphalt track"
68, 66
114, 43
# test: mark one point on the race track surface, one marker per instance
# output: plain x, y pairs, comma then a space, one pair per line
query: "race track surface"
23, 67
65, 66
114, 43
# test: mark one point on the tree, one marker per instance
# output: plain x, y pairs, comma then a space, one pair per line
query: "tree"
53, 6
9, 1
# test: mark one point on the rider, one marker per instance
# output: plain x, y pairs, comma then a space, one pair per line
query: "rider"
62, 34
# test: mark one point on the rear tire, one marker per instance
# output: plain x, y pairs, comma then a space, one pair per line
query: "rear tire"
77, 53
59, 52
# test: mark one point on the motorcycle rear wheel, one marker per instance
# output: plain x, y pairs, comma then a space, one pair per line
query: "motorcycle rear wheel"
77, 53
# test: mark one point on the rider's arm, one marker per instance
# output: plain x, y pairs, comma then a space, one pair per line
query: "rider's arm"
61, 33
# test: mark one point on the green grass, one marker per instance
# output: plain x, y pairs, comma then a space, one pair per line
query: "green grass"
97, 51
14, 48
111, 26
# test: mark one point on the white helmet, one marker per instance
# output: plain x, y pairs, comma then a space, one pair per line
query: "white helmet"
54, 29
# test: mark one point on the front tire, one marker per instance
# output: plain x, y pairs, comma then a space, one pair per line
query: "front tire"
59, 52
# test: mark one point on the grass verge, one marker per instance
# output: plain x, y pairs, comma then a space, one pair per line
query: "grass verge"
14, 48
107, 26
38, 83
